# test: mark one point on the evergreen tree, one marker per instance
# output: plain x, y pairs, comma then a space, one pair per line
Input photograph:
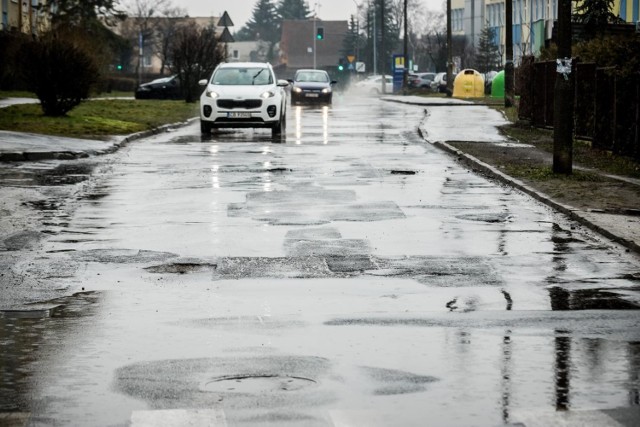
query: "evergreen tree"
352, 40
293, 9
391, 34
487, 57
264, 22
595, 15
65, 13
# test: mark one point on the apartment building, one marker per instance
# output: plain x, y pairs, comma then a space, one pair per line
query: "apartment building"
532, 21
26, 16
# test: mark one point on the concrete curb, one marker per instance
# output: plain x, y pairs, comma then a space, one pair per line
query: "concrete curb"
496, 174
32, 156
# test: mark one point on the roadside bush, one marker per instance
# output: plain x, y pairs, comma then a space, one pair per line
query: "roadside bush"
59, 73
11, 44
117, 83
620, 52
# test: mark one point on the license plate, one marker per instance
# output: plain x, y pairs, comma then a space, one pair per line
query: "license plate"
236, 115
311, 95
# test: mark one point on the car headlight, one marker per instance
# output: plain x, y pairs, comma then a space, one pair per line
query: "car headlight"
326, 90
297, 90
268, 94
211, 94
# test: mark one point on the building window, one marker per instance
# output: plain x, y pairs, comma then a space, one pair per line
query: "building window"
236, 54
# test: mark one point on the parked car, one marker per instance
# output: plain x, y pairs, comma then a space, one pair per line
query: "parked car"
421, 80
373, 85
439, 83
243, 95
163, 88
311, 86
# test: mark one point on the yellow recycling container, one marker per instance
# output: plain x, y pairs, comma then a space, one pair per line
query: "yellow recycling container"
468, 84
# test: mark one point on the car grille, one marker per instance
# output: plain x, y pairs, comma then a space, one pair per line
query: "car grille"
247, 104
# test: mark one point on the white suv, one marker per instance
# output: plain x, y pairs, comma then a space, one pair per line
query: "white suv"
243, 95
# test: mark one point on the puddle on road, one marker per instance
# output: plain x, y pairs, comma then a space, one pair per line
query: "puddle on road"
26, 334
594, 299
65, 174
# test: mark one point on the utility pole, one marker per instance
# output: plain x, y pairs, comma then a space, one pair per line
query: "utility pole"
315, 38
375, 41
563, 95
382, 52
449, 52
509, 95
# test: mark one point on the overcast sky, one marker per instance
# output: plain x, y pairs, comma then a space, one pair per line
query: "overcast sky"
240, 10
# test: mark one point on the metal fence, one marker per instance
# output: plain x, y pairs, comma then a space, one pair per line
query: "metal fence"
606, 106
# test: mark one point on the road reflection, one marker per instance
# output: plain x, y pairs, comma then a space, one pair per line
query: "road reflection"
305, 123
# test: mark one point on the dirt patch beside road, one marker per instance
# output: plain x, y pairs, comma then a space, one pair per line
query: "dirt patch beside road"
585, 189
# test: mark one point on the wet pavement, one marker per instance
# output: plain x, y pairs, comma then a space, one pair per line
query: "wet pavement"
350, 275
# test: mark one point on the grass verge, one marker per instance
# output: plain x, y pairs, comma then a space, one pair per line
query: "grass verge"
97, 119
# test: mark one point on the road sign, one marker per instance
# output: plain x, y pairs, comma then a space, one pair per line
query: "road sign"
226, 36
351, 58
225, 21
360, 67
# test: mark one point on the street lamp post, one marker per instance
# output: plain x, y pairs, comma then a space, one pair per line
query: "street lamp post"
405, 76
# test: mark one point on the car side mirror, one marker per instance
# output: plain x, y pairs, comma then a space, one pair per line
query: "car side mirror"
290, 81
283, 83
333, 82
203, 82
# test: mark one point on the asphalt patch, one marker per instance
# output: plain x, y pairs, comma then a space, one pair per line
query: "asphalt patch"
122, 256
22, 240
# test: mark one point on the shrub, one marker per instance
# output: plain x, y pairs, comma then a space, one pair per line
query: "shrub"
620, 52
11, 46
59, 73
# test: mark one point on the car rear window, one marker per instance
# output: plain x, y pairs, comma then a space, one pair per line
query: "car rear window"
242, 77
311, 76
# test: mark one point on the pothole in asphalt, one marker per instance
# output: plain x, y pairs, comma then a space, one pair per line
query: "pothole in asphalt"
403, 172
492, 218
181, 268
43, 205
65, 174
258, 384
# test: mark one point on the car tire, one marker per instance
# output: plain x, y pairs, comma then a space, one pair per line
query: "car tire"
205, 127
280, 127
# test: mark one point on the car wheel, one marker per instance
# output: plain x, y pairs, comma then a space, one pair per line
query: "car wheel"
280, 127
205, 127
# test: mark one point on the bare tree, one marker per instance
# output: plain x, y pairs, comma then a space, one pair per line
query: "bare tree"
141, 25
194, 55
166, 30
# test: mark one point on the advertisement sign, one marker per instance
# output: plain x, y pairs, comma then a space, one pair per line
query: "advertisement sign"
398, 72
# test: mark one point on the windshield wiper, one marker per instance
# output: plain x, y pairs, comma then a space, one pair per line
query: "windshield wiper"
253, 82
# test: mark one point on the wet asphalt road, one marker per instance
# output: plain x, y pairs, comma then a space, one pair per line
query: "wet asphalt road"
351, 275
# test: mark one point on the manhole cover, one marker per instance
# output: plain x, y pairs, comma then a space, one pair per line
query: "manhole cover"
257, 384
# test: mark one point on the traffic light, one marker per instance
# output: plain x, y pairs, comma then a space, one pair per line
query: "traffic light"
119, 67
341, 64
320, 33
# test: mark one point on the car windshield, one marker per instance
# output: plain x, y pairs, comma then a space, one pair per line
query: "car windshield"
242, 77
312, 76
